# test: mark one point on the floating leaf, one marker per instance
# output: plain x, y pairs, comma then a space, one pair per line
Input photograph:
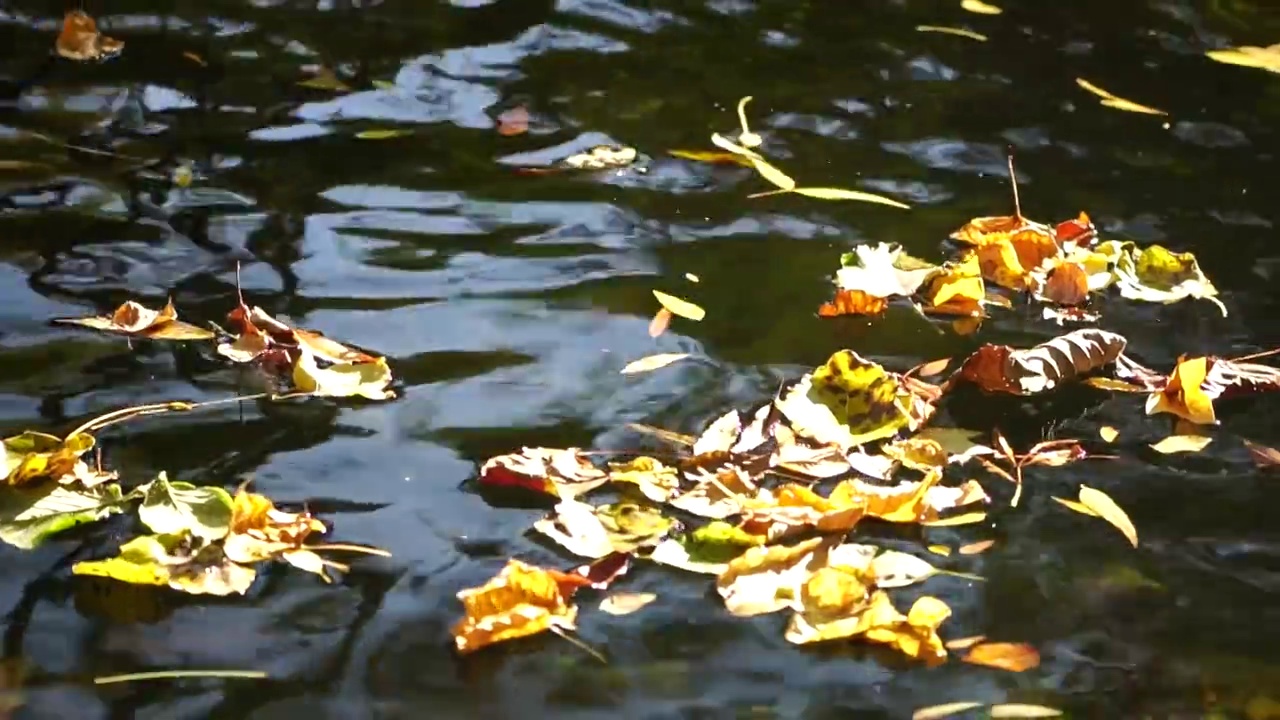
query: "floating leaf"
1263, 456
977, 547
999, 368
178, 508
956, 289
514, 121
767, 579
1107, 509
893, 569
1155, 274
771, 173
718, 496
826, 193
982, 8
325, 79
707, 549
521, 600
679, 307
626, 603
594, 532
28, 516
1114, 101
367, 380
1264, 58
1014, 657
1022, 710
1182, 444
655, 481
711, 156
965, 642
80, 39
169, 560
139, 321
602, 157
1108, 433
847, 402
960, 32
907, 502
652, 362
33, 456
386, 134
915, 634
559, 473
1077, 507
870, 275
937, 712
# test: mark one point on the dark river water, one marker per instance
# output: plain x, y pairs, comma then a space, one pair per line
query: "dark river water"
507, 302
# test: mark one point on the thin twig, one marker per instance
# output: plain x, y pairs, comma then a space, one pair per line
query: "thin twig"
179, 675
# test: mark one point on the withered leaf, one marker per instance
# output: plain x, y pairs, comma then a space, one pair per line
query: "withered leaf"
136, 320
1000, 368
562, 473
521, 600
1014, 657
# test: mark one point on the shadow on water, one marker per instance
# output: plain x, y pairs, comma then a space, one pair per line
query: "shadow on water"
508, 302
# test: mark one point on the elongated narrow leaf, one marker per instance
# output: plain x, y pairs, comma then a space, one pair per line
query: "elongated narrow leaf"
1108, 510
680, 307
826, 193
937, 712
773, 174
652, 362
1022, 710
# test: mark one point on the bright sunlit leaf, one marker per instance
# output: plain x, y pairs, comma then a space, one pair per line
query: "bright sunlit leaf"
1107, 509
680, 307
982, 8
652, 362
960, 32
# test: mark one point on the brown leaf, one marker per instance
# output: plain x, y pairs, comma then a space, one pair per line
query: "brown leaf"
853, 302
137, 320
80, 39
514, 121
1014, 657
522, 600
1000, 368
1263, 456
1066, 284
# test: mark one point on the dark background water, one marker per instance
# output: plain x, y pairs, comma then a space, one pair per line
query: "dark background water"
508, 303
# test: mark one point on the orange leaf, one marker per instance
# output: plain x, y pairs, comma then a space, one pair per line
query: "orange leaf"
1067, 284
660, 322
1184, 395
80, 40
1014, 657
522, 600
514, 121
853, 302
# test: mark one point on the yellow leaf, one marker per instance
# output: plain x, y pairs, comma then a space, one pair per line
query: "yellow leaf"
1264, 58
623, 603
1108, 433
677, 306
522, 600
937, 712
767, 579
1022, 710
965, 519
1182, 444
977, 6
825, 193
957, 289
942, 550
1107, 509
652, 362
773, 174
325, 79
367, 380
1073, 505
1117, 102
710, 156
1155, 274
1184, 395
952, 31
725, 143
382, 134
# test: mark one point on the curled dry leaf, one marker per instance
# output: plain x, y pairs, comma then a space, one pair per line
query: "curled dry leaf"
1014, 657
80, 39
652, 362
1000, 368
1196, 382
679, 307
956, 289
521, 600
562, 473
136, 320
33, 456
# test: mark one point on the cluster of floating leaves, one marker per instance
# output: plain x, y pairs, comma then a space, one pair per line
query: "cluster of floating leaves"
770, 501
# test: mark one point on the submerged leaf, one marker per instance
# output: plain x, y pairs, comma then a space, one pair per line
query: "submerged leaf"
652, 362
1014, 657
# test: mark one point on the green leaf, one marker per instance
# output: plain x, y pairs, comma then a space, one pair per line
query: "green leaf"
176, 508
27, 517
847, 402
163, 560
382, 134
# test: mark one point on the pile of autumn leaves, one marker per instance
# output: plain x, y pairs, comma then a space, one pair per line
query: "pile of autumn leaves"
203, 540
